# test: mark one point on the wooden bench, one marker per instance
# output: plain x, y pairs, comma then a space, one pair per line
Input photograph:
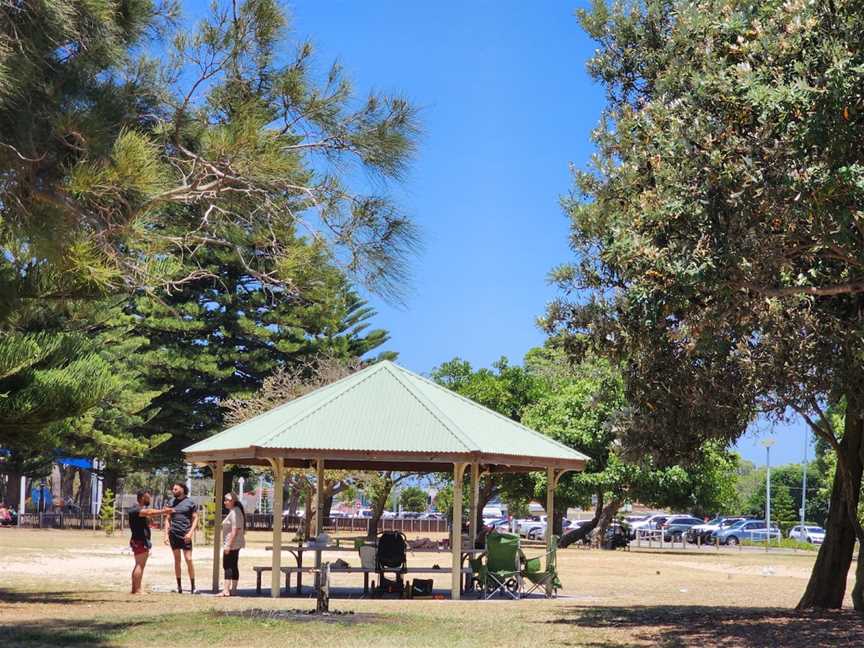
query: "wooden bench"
335, 569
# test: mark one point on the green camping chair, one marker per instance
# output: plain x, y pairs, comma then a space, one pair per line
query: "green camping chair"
547, 578
501, 571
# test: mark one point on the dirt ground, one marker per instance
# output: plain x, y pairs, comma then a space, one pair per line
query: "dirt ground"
62, 588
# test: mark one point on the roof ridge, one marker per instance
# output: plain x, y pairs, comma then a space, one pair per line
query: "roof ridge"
545, 437
370, 371
433, 409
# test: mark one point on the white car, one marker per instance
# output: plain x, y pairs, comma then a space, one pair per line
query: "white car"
648, 523
811, 534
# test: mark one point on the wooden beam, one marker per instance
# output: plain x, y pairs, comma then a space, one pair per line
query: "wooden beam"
551, 482
218, 487
474, 499
380, 460
319, 516
456, 532
278, 487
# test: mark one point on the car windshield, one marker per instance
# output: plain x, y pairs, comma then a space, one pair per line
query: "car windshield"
737, 524
815, 529
715, 521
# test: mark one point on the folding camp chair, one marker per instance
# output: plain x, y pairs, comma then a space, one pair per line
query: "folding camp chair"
500, 572
547, 578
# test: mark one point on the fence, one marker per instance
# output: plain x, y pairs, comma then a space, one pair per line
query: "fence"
262, 522
254, 522
59, 521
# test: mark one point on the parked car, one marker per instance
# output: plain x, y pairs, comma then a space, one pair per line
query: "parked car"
501, 524
631, 519
650, 523
522, 525
677, 525
703, 531
752, 530
615, 537
811, 534
533, 528
432, 516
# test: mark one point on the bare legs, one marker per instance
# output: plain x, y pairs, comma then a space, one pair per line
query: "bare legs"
190, 566
138, 571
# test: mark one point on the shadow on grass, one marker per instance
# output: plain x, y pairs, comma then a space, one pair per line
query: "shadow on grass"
708, 626
60, 632
25, 596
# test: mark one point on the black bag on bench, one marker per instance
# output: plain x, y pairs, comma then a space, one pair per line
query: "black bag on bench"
421, 587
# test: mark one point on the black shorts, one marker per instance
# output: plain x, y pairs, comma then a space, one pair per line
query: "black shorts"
179, 542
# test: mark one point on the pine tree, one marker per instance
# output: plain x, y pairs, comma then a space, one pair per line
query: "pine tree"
103, 143
215, 340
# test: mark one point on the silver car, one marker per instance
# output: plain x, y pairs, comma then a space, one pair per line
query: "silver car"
751, 530
811, 534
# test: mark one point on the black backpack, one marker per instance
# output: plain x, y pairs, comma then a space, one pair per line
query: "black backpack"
392, 546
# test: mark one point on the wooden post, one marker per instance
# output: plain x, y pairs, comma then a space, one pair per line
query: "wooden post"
278, 466
550, 504
456, 531
475, 496
218, 487
319, 517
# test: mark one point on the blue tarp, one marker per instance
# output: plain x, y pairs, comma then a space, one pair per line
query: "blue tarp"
78, 462
37, 494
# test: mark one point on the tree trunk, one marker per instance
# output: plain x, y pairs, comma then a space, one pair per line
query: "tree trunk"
605, 519
488, 490
582, 532
378, 507
13, 489
328, 504
858, 589
307, 518
827, 584
84, 490
67, 482
293, 500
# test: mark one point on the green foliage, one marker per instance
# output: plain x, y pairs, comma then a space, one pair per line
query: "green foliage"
210, 522
106, 512
727, 277
783, 510
122, 162
216, 341
412, 498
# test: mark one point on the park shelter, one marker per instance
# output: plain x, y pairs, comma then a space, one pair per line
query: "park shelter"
384, 418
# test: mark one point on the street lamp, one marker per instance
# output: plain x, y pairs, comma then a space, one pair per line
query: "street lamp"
767, 443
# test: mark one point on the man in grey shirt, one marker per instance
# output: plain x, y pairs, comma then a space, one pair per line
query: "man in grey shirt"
180, 526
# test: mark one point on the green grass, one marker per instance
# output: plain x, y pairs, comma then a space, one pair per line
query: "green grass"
783, 543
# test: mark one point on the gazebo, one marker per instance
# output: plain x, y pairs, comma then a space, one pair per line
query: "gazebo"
383, 418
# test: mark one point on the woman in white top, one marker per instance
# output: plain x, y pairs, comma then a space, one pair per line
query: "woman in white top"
233, 534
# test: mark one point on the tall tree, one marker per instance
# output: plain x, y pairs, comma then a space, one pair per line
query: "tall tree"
137, 154
101, 143
217, 339
583, 408
507, 389
720, 233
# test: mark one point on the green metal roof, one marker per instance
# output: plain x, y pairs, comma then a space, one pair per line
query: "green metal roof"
386, 411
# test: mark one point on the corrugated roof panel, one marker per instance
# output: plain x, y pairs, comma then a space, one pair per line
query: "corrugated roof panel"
387, 408
490, 431
376, 414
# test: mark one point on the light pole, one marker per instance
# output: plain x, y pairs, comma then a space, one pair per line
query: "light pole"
767, 443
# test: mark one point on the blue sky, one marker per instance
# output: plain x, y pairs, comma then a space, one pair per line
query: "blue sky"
506, 107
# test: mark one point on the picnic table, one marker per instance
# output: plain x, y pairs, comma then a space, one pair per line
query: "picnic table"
298, 550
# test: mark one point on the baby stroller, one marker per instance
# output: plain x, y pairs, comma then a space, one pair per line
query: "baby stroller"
390, 557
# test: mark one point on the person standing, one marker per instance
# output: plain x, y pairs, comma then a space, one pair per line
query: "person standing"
234, 539
180, 526
139, 525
